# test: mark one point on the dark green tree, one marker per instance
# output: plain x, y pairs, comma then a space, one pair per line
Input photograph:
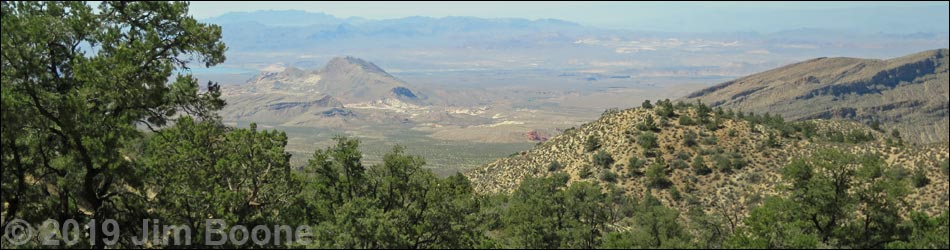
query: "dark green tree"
685, 120
657, 177
656, 226
723, 163
80, 83
202, 169
608, 176
635, 166
585, 217
647, 141
648, 124
699, 166
774, 225
555, 166
536, 213
925, 232
945, 166
690, 139
919, 179
592, 144
603, 159
647, 105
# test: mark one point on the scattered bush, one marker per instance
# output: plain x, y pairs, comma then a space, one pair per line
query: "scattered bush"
945, 167
682, 155
699, 166
585, 172
635, 166
852, 137
723, 164
648, 124
685, 120
899, 173
592, 144
710, 140
656, 177
680, 164
603, 159
608, 176
920, 178
689, 139
675, 193
647, 140
665, 109
732, 132
555, 166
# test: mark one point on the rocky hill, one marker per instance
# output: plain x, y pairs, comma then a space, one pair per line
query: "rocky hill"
711, 157
348, 79
909, 93
344, 91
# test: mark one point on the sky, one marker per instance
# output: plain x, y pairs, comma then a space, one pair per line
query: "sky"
887, 17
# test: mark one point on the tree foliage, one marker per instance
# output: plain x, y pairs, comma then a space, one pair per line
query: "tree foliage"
93, 129
603, 159
592, 144
78, 83
837, 199
647, 141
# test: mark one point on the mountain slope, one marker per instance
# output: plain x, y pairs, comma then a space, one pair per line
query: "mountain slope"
744, 156
909, 93
348, 79
332, 96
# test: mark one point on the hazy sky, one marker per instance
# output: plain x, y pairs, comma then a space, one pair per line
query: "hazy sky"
670, 16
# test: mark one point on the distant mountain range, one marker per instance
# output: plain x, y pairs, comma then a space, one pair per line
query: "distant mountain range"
284, 30
908, 93
462, 44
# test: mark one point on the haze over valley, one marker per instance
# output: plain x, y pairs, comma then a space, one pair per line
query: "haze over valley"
498, 85
474, 125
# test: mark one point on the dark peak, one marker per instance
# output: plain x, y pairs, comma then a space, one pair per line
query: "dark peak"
936, 54
349, 64
404, 92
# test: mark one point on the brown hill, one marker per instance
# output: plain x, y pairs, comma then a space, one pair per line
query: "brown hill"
744, 155
348, 79
345, 91
909, 93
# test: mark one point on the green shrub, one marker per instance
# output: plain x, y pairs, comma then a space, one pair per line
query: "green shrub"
555, 166
585, 172
656, 177
608, 176
634, 166
647, 140
647, 105
732, 132
592, 144
680, 164
690, 139
675, 193
603, 159
648, 124
723, 164
919, 178
710, 140
699, 166
682, 155
685, 120
945, 167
